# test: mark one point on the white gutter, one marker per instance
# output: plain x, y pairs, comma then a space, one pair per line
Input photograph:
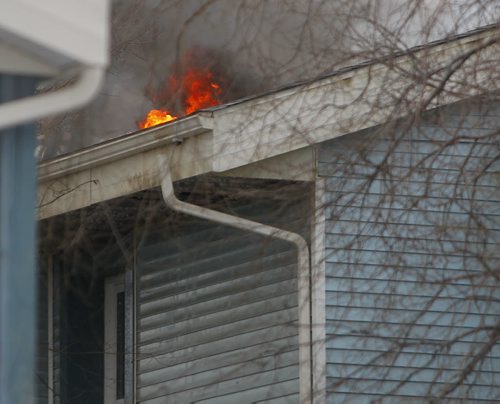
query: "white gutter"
39, 106
128, 145
303, 264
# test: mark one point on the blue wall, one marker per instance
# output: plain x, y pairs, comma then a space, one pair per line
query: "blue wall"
413, 225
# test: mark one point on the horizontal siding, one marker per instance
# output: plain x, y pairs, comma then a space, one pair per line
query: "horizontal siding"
171, 353
483, 305
178, 327
215, 288
207, 271
412, 292
444, 287
409, 389
191, 385
423, 373
423, 315
238, 329
218, 312
386, 342
215, 359
354, 398
425, 360
261, 394
211, 311
265, 384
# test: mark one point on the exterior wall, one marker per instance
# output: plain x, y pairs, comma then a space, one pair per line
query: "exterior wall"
78, 254
217, 308
412, 229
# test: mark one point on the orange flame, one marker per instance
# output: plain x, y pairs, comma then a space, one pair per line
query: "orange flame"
198, 90
156, 117
201, 91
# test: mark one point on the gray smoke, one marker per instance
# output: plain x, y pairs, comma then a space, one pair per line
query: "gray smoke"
256, 45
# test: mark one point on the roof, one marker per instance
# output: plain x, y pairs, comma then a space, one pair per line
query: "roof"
262, 128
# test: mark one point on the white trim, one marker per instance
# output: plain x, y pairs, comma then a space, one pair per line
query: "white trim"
113, 286
50, 326
235, 135
318, 295
124, 146
134, 326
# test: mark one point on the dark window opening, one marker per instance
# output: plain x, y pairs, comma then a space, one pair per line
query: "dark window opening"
120, 345
82, 341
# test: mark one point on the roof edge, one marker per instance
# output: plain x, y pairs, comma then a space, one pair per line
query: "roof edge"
118, 148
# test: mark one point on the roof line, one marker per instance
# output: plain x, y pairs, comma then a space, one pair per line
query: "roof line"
369, 62
343, 70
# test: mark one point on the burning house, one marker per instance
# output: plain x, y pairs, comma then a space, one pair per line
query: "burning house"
333, 241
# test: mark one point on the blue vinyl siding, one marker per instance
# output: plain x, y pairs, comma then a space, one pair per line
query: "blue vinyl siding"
412, 235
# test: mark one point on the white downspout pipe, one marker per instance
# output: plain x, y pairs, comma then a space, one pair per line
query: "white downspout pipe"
303, 264
39, 106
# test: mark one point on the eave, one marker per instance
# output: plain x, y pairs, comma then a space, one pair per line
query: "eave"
124, 165
273, 130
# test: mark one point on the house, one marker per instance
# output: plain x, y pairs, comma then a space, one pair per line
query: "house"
66, 41
333, 241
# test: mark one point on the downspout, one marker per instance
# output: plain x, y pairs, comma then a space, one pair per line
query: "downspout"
303, 265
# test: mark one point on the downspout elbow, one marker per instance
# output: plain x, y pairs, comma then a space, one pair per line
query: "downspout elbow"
303, 264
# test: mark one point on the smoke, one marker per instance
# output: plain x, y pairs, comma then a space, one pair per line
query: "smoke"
208, 66
252, 46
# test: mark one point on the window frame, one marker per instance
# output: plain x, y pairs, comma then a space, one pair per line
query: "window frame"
113, 286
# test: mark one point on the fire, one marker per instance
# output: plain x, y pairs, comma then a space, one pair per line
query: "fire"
197, 89
200, 89
156, 117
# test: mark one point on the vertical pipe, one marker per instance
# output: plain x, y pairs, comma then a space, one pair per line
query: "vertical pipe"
303, 265
17, 251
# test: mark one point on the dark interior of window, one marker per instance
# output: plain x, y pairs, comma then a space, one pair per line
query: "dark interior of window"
81, 328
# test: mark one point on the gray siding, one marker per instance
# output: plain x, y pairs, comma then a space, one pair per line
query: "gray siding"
413, 226
217, 311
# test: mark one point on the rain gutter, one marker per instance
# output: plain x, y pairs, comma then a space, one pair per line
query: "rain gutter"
124, 146
303, 264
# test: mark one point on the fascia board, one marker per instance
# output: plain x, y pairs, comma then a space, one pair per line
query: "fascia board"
124, 146
247, 132
58, 31
357, 99
124, 166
